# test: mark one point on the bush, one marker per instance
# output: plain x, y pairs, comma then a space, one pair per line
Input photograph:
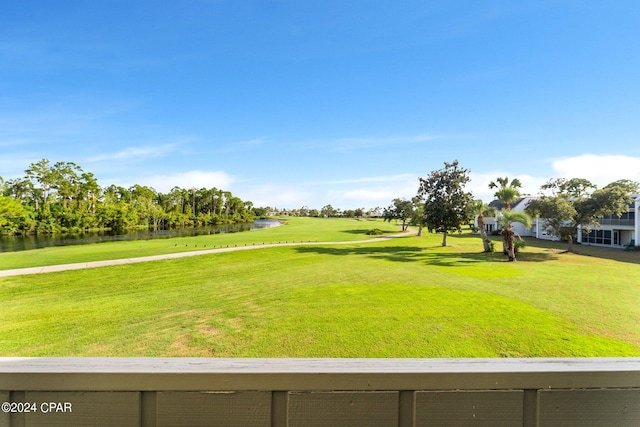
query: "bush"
375, 232
519, 244
491, 245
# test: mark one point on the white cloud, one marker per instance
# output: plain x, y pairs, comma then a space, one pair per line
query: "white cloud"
479, 184
375, 195
277, 195
599, 169
372, 196
190, 179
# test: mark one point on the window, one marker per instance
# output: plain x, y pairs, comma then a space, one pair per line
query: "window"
600, 237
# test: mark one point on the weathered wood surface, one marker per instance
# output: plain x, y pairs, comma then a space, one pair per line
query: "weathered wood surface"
319, 409
86, 409
341, 392
243, 409
603, 408
193, 374
470, 408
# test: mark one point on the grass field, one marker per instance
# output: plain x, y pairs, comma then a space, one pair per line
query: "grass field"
297, 229
405, 297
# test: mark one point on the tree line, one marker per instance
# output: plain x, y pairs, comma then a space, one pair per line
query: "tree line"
443, 205
62, 197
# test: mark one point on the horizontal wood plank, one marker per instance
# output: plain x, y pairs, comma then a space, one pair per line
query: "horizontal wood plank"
604, 408
477, 409
84, 409
242, 409
320, 409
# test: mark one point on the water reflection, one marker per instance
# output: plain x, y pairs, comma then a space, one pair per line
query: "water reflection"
22, 243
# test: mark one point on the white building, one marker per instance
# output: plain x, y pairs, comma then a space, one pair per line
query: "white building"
615, 231
618, 231
492, 223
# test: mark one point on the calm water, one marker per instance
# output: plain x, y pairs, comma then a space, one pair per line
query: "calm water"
21, 243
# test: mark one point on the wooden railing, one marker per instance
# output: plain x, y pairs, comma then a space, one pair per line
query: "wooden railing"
319, 392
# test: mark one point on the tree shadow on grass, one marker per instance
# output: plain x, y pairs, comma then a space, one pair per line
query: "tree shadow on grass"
391, 253
364, 233
560, 248
425, 255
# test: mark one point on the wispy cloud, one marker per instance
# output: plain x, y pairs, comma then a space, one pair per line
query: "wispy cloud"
348, 145
247, 145
392, 178
14, 142
351, 144
148, 151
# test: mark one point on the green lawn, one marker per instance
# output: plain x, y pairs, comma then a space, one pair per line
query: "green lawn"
405, 297
296, 229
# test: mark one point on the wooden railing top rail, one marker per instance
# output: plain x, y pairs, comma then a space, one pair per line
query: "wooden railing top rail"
192, 374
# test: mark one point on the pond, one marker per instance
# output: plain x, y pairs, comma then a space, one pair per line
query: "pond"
23, 243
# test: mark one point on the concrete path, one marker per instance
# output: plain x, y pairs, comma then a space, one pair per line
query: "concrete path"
94, 264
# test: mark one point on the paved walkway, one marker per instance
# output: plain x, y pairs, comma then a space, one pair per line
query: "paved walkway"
94, 264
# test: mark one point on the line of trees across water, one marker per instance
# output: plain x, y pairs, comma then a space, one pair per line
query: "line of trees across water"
62, 197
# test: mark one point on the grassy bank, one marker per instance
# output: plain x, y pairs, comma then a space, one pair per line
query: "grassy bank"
295, 229
404, 297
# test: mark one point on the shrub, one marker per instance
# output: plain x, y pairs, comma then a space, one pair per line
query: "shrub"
375, 232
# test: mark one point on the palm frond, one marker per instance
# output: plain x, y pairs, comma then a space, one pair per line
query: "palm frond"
508, 217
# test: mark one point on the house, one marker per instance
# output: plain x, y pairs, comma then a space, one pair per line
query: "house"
491, 224
615, 231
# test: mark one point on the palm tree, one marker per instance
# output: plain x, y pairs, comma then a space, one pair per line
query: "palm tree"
508, 235
480, 210
507, 192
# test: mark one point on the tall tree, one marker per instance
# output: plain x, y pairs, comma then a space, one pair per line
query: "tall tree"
66, 180
446, 206
556, 213
508, 191
327, 211
89, 191
418, 213
631, 187
20, 189
399, 209
42, 172
570, 188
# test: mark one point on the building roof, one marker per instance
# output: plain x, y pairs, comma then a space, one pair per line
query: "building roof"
499, 205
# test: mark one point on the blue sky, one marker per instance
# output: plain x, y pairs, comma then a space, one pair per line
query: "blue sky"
292, 103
